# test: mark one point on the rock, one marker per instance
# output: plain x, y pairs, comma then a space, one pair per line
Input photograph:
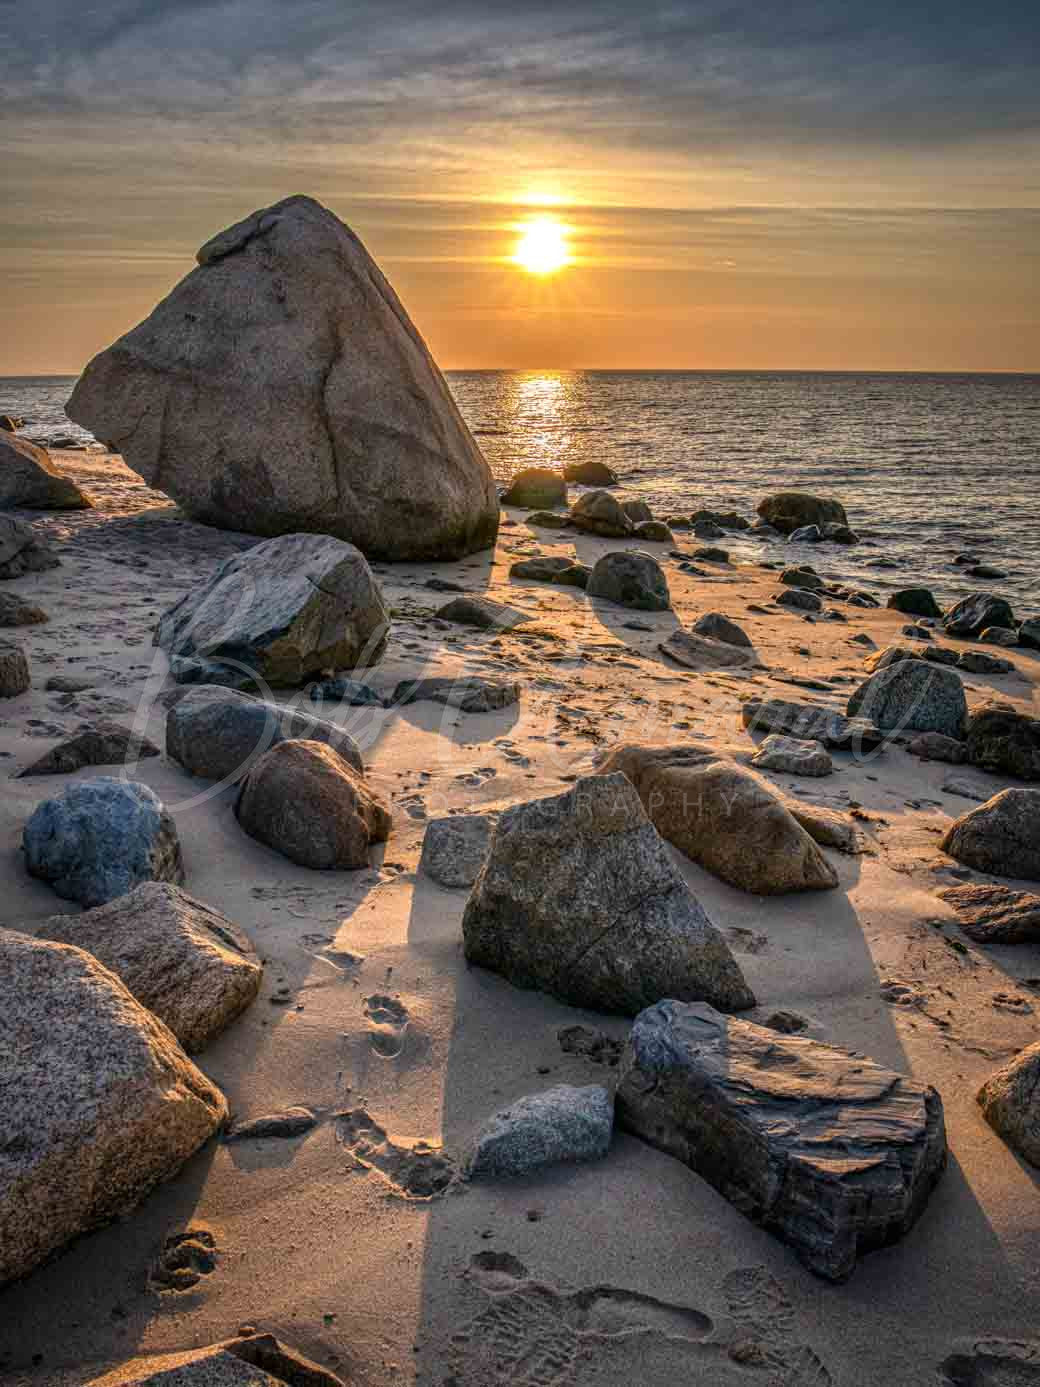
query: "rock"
542, 569
654, 531
285, 609
723, 818
579, 898
998, 635
786, 1022
630, 579
561, 1124
220, 733
829, 1151
216, 673
702, 652
892, 654
993, 914
28, 478
454, 848
482, 613
934, 746
728, 520
637, 511
577, 576
181, 959
64, 683
1029, 633
443, 585
21, 551
1001, 837
1010, 1102
281, 387
10, 423
677, 522
979, 662
251, 1360
710, 554
806, 578
916, 633
538, 487
915, 602
912, 696
100, 838
972, 615
348, 691
800, 599
590, 1044
307, 802
15, 611
963, 559
839, 534
14, 670
548, 520
601, 514
104, 744
811, 723
717, 627
1005, 741
824, 826
965, 788
470, 694
862, 599
293, 1122
590, 473
100, 1102
707, 529
984, 570
808, 534
793, 755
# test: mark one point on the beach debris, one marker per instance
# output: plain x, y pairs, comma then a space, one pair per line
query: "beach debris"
1010, 1102
714, 626
601, 514
454, 848
630, 578
561, 1124
793, 756
912, 696
468, 693
915, 602
538, 487
29, 479
1001, 836
993, 914
22, 550
972, 615
811, 722
14, 669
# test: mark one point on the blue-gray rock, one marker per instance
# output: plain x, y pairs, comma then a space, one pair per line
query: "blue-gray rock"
101, 838
973, 614
801, 599
348, 691
631, 579
454, 848
562, 1124
912, 696
217, 673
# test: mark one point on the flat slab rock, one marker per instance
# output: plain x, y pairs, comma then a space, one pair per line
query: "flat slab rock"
812, 723
831, 1152
793, 755
468, 693
992, 914
251, 1360
104, 744
705, 652
562, 1124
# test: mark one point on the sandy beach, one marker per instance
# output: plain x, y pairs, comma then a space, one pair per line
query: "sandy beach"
367, 1003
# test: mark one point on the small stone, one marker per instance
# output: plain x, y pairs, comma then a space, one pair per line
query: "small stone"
482, 613
992, 914
796, 757
935, 746
915, 602
561, 1124
468, 693
278, 1126
800, 599
718, 627
539, 487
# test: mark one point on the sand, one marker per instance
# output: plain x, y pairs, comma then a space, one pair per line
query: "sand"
367, 1004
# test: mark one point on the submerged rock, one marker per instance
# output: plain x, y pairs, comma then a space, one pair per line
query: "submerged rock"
1010, 1102
561, 1124
788, 511
915, 602
630, 579
28, 478
590, 473
1001, 836
455, 847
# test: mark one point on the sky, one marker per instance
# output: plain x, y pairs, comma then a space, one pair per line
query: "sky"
809, 184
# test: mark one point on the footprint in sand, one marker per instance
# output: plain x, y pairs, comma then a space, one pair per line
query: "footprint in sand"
416, 1171
388, 1020
994, 1363
184, 1260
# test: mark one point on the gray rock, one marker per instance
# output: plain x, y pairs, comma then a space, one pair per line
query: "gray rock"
348, 691
999, 635
717, 627
14, 670
100, 838
590, 473
293, 1122
576, 576
454, 848
103, 744
21, 550
966, 788
808, 534
802, 578
839, 534
912, 696
985, 570
972, 615
915, 602
1029, 633
590, 1044
28, 478
468, 693
916, 633
232, 674
992, 914
979, 662
631, 579
220, 733
1001, 837
703, 652
892, 654
1003, 740
800, 599
711, 554
538, 487
729, 520
934, 746
100, 1102
281, 387
793, 755
829, 1151
436, 584
285, 609
15, 611
482, 613
251, 1360
655, 531
305, 801
1010, 1102
579, 898
811, 723
600, 514
542, 569
548, 520
561, 1124
637, 511
181, 959
707, 529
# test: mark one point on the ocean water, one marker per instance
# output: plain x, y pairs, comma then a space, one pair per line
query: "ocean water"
927, 466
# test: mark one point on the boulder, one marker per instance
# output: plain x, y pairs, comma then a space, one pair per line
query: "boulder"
714, 626
993, 914
1010, 1102
704, 652
985, 570
793, 756
104, 744
468, 693
1003, 740
724, 818
590, 473
273, 1126
655, 531
729, 520
281, 387
637, 511
562, 1124
454, 848
630, 579
912, 696
251, 1360
305, 801
980, 662
540, 488
28, 478
916, 633
576, 576
711, 554
788, 511
15, 611
811, 723
482, 613
579, 898
800, 599
1000, 837
600, 514
548, 520
100, 1102
21, 550
972, 615
802, 578
100, 838
915, 602
707, 529
934, 746
999, 635
542, 569
285, 609
181, 959
829, 1151
1029, 633
14, 670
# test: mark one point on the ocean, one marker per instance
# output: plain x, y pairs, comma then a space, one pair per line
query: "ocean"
927, 466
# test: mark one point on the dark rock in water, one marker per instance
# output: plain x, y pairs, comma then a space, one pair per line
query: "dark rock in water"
590, 1044
839, 534
293, 1122
482, 613
1000, 837
1003, 740
14, 670
468, 693
637, 511
972, 615
654, 531
104, 744
726, 520
631, 579
281, 387
915, 602
985, 570
349, 691
934, 746
538, 487
580, 899
455, 847
862, 599
912, 696
100, 838
28, 478
600, 514
707, 529
15, 611
788, 511
1029, 633
21, 550
541, 1129
719, 628
799, 598
802, 577
811, 723
590, 474
831, 1152
993, 914
548, 520
443, 585
962, 559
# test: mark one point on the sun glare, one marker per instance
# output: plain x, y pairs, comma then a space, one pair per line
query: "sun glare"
542, 247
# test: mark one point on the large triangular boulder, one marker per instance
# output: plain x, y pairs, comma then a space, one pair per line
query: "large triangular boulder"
282, 386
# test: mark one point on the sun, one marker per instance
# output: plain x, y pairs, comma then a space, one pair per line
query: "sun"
542, 247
